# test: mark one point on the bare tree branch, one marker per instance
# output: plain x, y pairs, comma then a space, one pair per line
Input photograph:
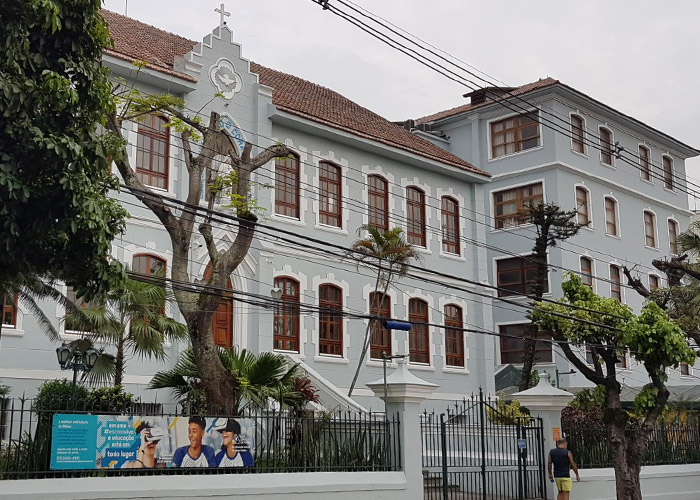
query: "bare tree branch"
636, 283
582, 367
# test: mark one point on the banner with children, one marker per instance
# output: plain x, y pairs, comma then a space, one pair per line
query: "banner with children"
136, 442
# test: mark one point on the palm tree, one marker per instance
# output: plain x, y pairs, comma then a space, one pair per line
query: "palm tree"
131, 318
391, 255
258, 378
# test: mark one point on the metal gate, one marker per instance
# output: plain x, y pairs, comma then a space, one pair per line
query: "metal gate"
475, 452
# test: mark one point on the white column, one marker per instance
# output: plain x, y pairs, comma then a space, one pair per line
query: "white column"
404, 394
546, 402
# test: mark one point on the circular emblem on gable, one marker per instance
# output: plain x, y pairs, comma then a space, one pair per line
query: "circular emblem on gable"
225, 79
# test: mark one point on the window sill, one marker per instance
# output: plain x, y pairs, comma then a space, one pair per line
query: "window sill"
422, 367
686, 377
655, 249
331, 229
297, 353
505, 229
287, 220
422, 250
578, 153
608, 165
378, 363
672, 191
511, 155
452, 256
11, 331
648, 181
614, 236
455, 369
331, 359
588, 227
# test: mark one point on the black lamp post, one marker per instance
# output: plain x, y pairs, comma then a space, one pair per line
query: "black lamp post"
77, 361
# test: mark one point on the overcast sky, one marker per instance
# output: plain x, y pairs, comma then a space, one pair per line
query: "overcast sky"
637, 56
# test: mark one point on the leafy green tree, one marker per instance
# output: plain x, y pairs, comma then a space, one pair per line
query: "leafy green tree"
391, 255
132, 319
552, 225
55, 216
257, 378
202, 143
609, 329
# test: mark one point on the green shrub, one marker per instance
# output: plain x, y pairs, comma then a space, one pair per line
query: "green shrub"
506, 413
109, 400
55, 395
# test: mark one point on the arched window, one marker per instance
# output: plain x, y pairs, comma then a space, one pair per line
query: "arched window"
287, 186
454, 336
450, 225
673, 237
587, 271
380, 340
378, 200
649, 229
615, 288
668, 173
415, 205
653, 282
582, 206
9, 310
644, 163
330, 194
330, 333
286, 328
152, 142
606, 146
222, 322
578, 143
418, 336
611, 216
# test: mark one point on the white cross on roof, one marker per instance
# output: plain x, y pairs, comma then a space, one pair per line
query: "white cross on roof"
223, 14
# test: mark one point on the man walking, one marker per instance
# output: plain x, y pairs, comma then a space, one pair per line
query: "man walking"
562, 458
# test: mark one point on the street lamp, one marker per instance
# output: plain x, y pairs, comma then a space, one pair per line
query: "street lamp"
75, 360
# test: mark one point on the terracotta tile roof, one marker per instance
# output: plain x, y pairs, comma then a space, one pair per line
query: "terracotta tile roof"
541, 83
309, 100
134, 40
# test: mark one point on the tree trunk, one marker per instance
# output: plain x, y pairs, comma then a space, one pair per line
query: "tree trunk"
529, 344
627, 485
119, 363
366, 341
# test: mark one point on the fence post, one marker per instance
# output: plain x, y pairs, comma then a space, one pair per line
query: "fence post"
404, 394
443, 444
546, 402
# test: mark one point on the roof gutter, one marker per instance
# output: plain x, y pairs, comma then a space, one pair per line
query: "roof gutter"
125, 68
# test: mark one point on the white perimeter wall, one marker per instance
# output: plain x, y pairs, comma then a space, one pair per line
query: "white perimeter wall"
677, 482
306, 486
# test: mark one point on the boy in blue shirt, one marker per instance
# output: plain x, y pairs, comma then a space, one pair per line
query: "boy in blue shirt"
196, 454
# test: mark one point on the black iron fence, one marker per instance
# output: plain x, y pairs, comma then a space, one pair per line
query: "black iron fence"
668, 445
284, 441
473, 452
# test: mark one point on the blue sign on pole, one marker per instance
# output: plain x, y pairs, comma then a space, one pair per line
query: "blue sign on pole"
73, 441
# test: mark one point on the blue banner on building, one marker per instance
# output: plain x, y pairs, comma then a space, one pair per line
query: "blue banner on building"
136, 442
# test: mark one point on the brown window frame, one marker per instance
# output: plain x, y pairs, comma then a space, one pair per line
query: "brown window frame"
419, 335
522, 200
330, 321
287, 182
9, 307
517, 125
654, 282
673, 237
684, 369
526, 266
611, 224
330, 194
586, 270
512, 346
649, 229
148, 267
583, 202
376, 216
285, 336
645, 163
578, 134
449, 216
667, 165
150, 131
606, 146
415, 216
379, 305
454, 336
616, 282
